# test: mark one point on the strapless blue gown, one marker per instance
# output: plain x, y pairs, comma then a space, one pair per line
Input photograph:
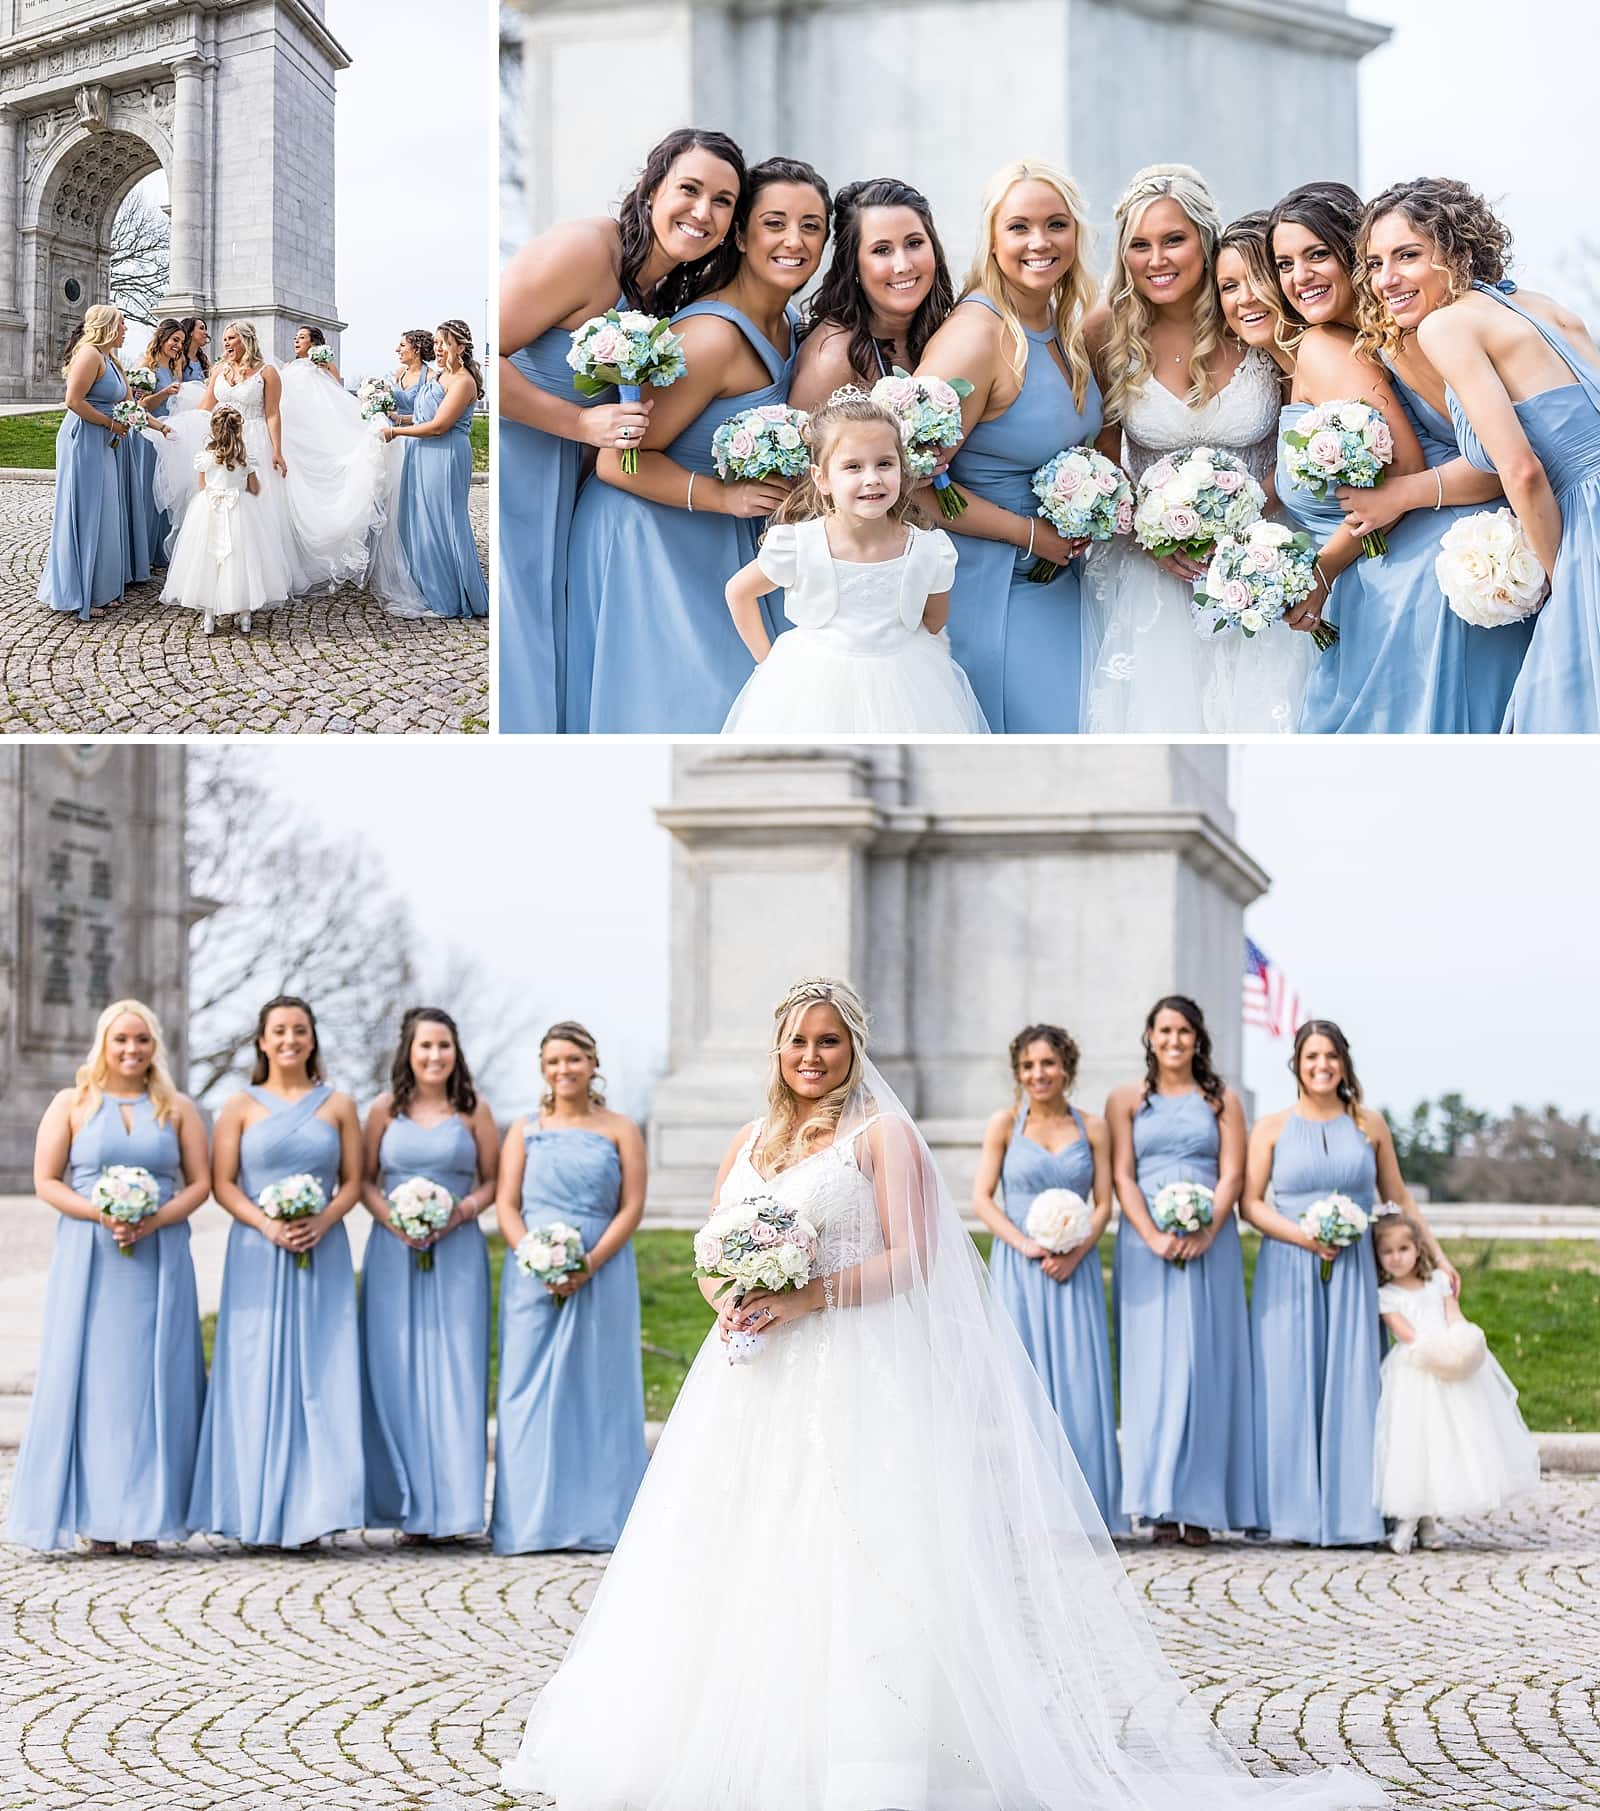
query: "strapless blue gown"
1316, 1350
1063, 1325
539, 478
90, 556
569, 1429
647, 582
1557, 691
1183, 1343
157, 523
280, 1447
110, 1441
431, 514
425, 1350
1019, 643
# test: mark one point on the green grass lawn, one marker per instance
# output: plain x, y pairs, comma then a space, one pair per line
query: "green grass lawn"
30, 440
480, 443
1537, 1300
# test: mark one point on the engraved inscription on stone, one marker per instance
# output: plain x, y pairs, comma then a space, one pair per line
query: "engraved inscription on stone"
73, 945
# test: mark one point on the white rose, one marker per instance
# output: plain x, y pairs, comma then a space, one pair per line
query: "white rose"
787, 437
1252, 621
1271, 534
634, 322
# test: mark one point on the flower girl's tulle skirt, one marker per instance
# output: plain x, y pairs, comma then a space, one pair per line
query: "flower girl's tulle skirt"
1449, 1448
254, 576
812, 683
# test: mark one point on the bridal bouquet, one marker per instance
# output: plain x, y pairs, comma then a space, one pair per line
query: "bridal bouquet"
928, 410
1341, 443
1488, 573
755, 1244
1059, 1219
1255, 579
1083, 496
322, 355
131, 414
1187, 501
1182, 1207
142, 379
293, 1198
768, 442
376, 396
1334, 1220
418, 1207
124, 1191
551, 1252
628, 349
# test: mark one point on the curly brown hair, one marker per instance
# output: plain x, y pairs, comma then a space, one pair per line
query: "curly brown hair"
421, 343
1061, 1042
1206, 1079
1471, 244
227, 438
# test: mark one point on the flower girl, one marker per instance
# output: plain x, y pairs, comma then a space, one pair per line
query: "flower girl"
867, 592
1449, 1438
225, 562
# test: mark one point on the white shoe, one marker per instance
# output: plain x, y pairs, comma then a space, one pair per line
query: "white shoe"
211, 623
1428, 1532
1403, 1538
244, 621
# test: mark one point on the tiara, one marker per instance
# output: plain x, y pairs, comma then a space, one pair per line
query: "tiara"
848, 393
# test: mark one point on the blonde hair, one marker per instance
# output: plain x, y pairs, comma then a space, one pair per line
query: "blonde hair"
249, 338
1250, 238
569, 1031
1425, 1265
843, 409
227, 437
1074, 295
1127, 354
91, 1079
786, 1138
99, 329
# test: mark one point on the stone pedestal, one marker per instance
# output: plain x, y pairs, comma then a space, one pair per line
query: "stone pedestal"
966, 890
94, 905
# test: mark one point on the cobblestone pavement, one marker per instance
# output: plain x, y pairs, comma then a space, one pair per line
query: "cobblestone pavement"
335, 664
371, 1676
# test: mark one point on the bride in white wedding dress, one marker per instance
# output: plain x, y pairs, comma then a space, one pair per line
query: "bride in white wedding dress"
864, 1571
1173, 378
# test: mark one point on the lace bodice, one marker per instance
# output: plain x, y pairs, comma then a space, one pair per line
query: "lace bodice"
827, 1187
1242, 417
248, 397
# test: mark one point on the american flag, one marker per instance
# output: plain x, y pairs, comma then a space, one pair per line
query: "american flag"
1270, 1003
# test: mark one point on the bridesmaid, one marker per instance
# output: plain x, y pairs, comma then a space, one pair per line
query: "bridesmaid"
1315, 1344
164, 356
1247, 293
280, 1447
667, 249
884, 295
1404, 662
1520, 376
425, 1333
1017, 336
196, 336
569, 1439
109, 1449
1057, 1302
1183, 1336
651, 553
431, 514
415, 353
89, 558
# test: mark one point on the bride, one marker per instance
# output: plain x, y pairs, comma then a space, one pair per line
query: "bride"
864, 1570
1173, 378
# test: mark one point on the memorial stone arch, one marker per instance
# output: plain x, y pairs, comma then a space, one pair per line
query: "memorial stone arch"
233, 99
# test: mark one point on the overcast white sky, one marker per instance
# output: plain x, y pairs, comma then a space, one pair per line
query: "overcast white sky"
1437, 899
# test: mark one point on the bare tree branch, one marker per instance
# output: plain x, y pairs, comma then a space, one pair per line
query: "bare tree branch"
141, 257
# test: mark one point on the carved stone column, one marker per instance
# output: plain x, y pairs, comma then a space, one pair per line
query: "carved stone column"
186, 283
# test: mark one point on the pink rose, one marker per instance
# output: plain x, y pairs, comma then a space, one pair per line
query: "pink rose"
1262, 559
900, 393
743, 444
1236, 594
1381, 441
773, 411
1162, 472
1109, 480
1182, 524
1326, 449
607, 345
1228, 482
1068, 481
1125, 516
763, 1235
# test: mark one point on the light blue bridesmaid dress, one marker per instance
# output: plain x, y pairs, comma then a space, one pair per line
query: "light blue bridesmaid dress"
649, 579
405, 395
90, 558
1316, 1350
195, 373
431, 516
1183, 1343
110, 1443
158, 524
539, 478
1558, 689
280, 1448
1063, 1325
1020, 643
569, 1428
425, 1349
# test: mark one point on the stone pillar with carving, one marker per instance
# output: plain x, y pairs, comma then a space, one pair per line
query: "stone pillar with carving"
186, 282
13, 322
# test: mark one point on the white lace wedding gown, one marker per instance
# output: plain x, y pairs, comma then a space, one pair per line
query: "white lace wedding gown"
1145, 667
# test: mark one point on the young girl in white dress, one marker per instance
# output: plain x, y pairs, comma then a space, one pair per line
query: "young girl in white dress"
867, 593
226, 561
1450, 1440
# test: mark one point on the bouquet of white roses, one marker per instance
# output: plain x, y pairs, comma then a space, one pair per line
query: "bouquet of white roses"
1188, 500
1488, 573
755, 1244
1183, 1208
1341, 443
322, 355
1255, 579
418, 1207
768, 442
376, 396
131, 414
551, 1252
1083, 496
928, 410
293, 1198
1059, 1219
141, 378
1334, 1220
124, 1191
628, 349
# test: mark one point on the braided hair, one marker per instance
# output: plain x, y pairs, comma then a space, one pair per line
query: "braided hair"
461, 333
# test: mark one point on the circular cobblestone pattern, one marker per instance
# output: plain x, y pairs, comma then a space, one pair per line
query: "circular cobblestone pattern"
325, 665
367, 1675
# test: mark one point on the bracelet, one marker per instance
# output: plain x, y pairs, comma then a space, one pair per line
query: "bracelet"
1032, 524
1438, 478
692, 477
1326, 581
